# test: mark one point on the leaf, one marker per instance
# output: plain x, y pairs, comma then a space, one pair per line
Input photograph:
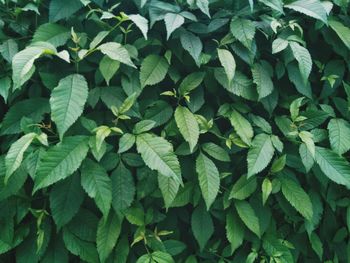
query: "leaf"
60, 9
297, 197
279, 45
313, 8
192, 44
274, 4
303, 57
234, 231
339, 135
123, 188
248, 216
203, 5
23, 63
216, 152
202, 226
169, 188
107, 235
60, 161
158, 154
266, 189
97, 185
262, 80
260, 154
228, 62
8, 49
67, 101
306, 157
335, 167
66, 198
307, 138
190, 82
188, 126
243, 188
54, 34
153, 70
242, 126
209, 179
143, 126
243, 30
126, 142
342, 31
14, 156
117, 52
141, 23
108, 67
172, 22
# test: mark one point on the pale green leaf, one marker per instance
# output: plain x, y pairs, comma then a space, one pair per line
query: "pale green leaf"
260, 154
117, 52
303, 57
242, 126
67, 101
262, 79
141, 23
339, 135
313, 8
169, 188
188, 126
61, 161
243, 30
228, 62
153, 70
173, 22
342, 31
209, 179
108, 67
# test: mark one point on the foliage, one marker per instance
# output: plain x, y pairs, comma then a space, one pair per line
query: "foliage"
174, 131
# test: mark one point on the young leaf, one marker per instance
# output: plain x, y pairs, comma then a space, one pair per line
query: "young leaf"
228, 62
117, 52
260, 154
209, 179
266, 189
188, 126
172, 22
67, 101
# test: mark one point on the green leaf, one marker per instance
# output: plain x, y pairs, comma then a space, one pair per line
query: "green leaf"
141, 23
54, 34
202, 226
228, 62
266, 189
143, 126
278, 164
339, 135
335, 167
279, 45
188, 126
243, 30
306, 157
97, 185
172, 22
23, 62
242, 126
216, 152
260, 154
190, 82
60, 161
303, 57
66, 198
60, 9
14, 156
108, 68
262, 79
243, 188
126, 142
162, 257
307, 138
158, 154
313, 8
342, 31
203, 5
153, 70
234, 231
192, 44
248, 216
274, 4
117, 52
169, 188
107, 235
209, 179
8, 49
296, 196
123, 188
67, 101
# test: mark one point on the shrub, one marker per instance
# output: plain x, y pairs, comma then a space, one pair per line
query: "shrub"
174, 131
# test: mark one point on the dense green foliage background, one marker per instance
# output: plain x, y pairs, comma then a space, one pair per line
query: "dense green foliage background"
174, 131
